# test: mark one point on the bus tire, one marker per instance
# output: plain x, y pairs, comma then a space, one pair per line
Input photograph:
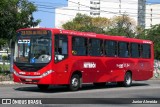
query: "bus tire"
74, 82
101, 84
127, 79
43, 86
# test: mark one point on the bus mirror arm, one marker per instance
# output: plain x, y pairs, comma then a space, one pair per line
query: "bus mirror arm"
12, 44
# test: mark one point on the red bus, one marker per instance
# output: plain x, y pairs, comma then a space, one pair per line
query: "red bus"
46, 56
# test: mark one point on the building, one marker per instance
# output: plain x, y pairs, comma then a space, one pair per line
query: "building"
102, 8
152, 15
141, 13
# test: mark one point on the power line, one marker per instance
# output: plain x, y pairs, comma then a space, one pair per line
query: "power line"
54, 12
51, 7
60, 4
117, 1
128, 2
65, 14
78, 10
148, 17
51, 3
100, 10
89, 7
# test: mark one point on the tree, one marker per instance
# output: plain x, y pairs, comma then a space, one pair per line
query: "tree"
15, 14
141, 33
87, 24
118, 25
79, 23
101, 22
122, 26
153, 34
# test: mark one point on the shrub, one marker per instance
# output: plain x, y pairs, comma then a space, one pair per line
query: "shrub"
4, 57
4, 68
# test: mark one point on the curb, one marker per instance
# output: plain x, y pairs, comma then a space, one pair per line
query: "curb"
7, 82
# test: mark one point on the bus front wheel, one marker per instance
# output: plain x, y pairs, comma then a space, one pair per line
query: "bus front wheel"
74, 82
43, 86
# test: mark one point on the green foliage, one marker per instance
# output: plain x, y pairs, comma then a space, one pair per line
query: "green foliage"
15, 14
4, 68
2, 41
140, 33
5, 74
120, 25
4, 57
153, 34
86, 24
123, 31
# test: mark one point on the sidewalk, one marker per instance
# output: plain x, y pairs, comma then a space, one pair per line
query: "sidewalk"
7, 82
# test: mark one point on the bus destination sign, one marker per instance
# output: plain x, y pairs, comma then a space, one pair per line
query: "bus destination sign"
34, 32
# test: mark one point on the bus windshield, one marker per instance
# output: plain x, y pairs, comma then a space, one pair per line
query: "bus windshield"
33, 49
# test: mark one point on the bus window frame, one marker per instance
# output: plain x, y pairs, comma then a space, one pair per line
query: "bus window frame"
54, 41
128, 49
86, 45
141, 49
116, 50
101, 47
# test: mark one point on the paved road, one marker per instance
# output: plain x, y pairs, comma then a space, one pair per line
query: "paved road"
143, 89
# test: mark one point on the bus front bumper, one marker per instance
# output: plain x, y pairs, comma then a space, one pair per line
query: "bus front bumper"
45, 78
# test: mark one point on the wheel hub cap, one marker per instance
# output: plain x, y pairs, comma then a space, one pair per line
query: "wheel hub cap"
74, 82
128, 80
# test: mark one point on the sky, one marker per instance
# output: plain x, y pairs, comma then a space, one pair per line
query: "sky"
46, 12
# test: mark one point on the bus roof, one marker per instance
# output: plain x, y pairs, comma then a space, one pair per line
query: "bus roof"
91, 34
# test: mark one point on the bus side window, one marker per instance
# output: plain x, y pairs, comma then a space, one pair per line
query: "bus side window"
79, 46
96, 47
146, 51
61, 47
135, 50
110, 48
123, 50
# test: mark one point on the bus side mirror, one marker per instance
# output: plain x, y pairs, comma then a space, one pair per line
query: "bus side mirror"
12, 46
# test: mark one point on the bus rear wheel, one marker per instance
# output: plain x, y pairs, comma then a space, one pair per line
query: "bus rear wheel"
74, 82
43, 86
127, 80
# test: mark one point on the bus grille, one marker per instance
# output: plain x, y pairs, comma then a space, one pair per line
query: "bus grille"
32, 69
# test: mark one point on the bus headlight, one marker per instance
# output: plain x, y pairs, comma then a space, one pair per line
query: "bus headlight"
41, 76
15, 72
47, 73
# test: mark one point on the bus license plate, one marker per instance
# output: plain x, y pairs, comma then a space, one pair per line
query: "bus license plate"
28, 80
